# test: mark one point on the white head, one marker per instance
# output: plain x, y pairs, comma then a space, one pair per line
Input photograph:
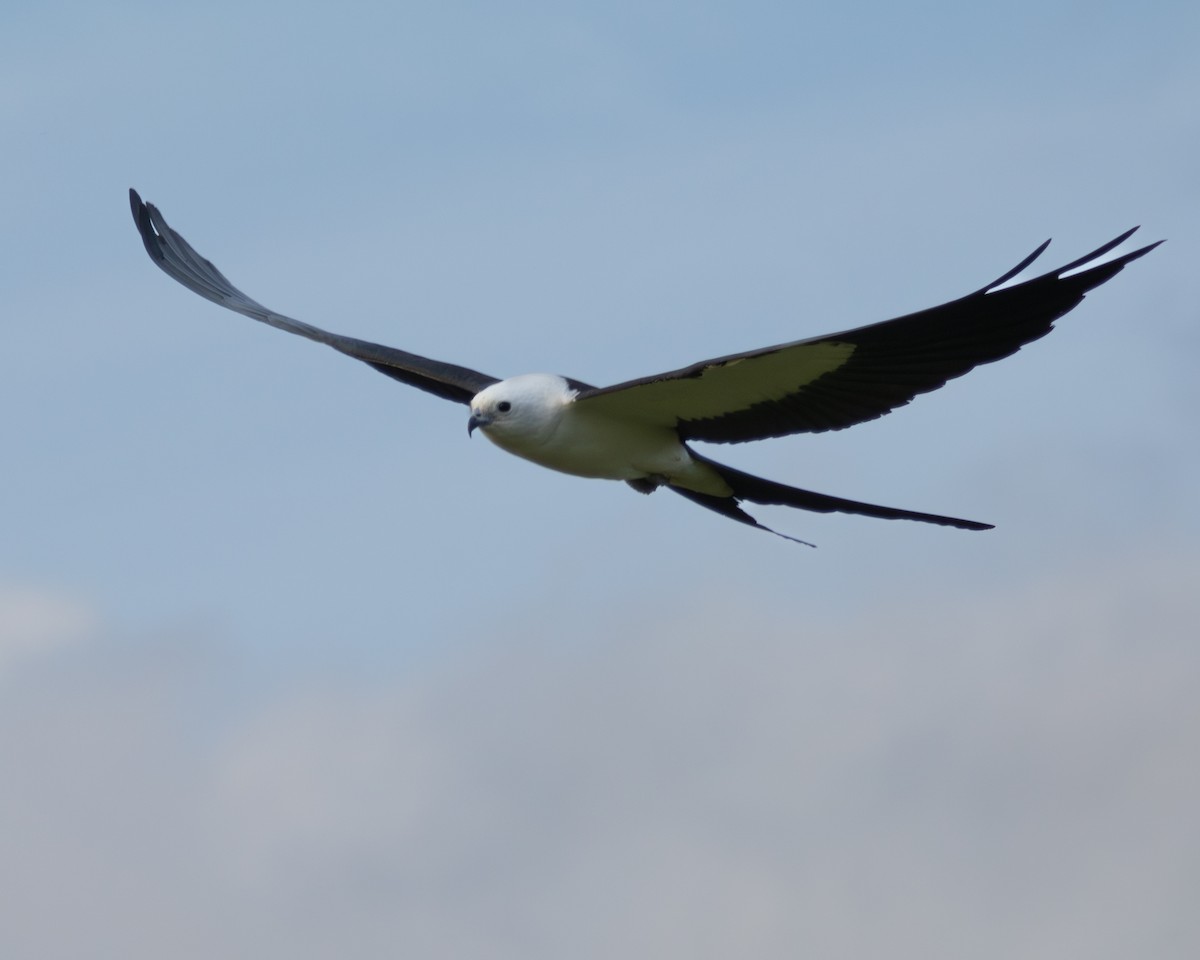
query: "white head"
520, 412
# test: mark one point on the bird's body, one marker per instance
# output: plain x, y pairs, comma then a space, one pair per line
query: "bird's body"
543, 423
639, 431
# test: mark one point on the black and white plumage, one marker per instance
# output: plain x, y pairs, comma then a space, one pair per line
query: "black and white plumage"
638, 431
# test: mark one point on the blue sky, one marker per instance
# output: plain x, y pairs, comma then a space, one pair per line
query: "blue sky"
270, 608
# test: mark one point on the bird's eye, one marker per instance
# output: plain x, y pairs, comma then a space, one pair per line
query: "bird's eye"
504, 406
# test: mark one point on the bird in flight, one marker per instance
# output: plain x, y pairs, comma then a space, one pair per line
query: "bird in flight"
639, 431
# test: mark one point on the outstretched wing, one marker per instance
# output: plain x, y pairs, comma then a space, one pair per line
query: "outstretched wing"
178, 260
838, 380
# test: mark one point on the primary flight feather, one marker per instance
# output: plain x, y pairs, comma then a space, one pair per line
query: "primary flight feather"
637, 431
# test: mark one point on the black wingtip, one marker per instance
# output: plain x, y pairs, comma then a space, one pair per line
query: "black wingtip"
1017, 269
1142, 251
145, 226
1086, 260
136, 207
1098, 252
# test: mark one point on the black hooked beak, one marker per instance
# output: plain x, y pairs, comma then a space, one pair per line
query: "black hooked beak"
477, 420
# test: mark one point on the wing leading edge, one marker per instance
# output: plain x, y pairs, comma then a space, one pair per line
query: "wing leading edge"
178, 260
838, 380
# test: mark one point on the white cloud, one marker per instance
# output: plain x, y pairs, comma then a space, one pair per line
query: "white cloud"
37, 620
997, 775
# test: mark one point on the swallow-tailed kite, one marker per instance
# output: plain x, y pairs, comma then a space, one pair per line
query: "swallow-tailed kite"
638, 431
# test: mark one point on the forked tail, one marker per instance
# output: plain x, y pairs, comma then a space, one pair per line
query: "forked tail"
747, 487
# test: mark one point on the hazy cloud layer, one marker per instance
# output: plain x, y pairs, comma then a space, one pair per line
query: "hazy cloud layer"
34, 622
994, 776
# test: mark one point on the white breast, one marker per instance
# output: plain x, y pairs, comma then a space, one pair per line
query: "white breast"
543, 424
